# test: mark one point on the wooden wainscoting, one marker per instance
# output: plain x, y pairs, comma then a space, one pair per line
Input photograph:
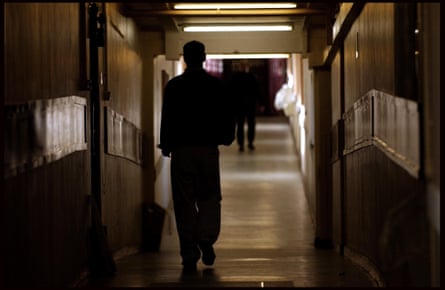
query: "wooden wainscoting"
43, 131
391, 123
122, 138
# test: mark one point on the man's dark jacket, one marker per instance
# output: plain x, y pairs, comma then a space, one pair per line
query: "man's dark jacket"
196, 110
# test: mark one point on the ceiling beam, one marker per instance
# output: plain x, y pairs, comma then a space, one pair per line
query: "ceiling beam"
349, 20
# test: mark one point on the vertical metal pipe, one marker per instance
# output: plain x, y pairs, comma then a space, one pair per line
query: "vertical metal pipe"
341, 147
94, 105
101, 257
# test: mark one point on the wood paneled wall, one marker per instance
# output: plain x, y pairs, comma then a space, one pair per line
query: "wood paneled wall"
372, 37
46, 208
429, 48
41, 51
123, 65
48, 214
385, 217
122, 191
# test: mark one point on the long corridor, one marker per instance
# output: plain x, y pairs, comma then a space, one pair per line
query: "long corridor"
267, 232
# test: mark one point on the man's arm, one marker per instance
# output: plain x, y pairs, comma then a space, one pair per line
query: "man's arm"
227, 116
166, 124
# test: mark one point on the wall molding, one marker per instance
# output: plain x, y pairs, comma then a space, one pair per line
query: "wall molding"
122, 138
358, 124
367, 265
388, 122
396, 130
43, 131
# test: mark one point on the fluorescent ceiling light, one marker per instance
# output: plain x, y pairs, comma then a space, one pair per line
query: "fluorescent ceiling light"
237, 28
247, 56
210, 6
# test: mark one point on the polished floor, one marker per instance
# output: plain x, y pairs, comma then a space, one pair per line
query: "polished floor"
267, 232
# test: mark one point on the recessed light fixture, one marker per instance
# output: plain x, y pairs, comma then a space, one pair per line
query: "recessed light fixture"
247, 56
236, 28
210, 6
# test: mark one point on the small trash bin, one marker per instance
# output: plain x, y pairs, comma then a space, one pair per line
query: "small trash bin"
153, 217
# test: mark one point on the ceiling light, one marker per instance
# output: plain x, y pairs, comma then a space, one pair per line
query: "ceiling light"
247, 56
210, 6
237, 28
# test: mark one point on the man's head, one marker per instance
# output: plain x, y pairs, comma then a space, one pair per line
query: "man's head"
245, 67
194, 53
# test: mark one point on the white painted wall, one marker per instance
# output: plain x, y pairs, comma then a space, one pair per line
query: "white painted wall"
169, 69
302, 121
296, 120
308, 135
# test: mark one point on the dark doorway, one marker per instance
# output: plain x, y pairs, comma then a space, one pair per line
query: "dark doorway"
270, 74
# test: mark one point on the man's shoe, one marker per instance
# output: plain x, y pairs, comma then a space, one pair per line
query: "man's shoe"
189, 267
251, 147
208, 254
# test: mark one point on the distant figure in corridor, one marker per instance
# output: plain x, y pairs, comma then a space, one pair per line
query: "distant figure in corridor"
196, 118
246, 92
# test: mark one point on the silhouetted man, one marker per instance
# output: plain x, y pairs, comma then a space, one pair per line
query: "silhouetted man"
196, 118
246, 92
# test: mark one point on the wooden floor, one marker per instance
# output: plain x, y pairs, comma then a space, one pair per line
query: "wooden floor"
267, 231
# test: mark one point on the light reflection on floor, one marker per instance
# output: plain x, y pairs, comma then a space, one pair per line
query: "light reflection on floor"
266, 235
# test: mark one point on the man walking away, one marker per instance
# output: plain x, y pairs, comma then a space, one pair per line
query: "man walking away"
245, 89
196, 117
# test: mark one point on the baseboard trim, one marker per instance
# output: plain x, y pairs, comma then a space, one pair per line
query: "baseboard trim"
84, 277
126, 251
82, 280
367, 265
